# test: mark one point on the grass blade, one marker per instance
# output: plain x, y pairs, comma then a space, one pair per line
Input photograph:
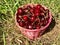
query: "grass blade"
4, 39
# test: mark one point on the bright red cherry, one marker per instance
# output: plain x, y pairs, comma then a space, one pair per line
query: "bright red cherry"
21, 23
19, 11
25, 18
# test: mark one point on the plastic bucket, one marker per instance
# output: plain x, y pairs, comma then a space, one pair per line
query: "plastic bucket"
34, 33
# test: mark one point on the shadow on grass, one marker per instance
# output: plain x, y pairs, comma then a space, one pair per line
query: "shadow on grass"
51, 26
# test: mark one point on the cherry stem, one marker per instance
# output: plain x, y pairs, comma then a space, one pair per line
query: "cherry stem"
21, 18
34, 21
46, 16
38, 19
42, 10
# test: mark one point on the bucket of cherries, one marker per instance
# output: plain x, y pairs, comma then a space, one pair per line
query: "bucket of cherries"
33, 19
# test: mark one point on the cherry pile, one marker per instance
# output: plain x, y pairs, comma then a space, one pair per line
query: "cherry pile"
32, 17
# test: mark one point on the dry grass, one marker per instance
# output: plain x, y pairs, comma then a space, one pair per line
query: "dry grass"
9, 32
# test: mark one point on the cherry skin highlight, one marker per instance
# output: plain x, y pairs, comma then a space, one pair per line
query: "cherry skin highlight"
33, 18
25, 18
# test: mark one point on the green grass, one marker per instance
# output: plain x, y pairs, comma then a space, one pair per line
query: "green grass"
9, 32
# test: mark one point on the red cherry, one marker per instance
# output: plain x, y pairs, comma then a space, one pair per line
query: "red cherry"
38, 6
37, 14
33, 18
18, 19
19, 11
25, 18
37, 27
17, 14
27, 24
21, 23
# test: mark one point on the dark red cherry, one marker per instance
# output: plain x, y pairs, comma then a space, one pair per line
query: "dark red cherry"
17, 14
25, 18
34, 26
27, 24
19, 11
18, 19
21, 23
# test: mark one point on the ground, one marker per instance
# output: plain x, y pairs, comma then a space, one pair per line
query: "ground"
9, 32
